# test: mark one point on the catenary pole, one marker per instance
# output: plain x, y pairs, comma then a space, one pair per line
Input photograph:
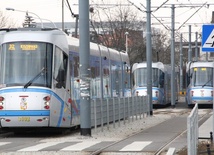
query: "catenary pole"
63, 15
85, 107
173, 57
181, 62
190, 46
196, 46
149, 56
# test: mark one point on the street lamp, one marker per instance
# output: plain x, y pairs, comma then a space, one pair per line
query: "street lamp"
46, 20
126, 34
12, 9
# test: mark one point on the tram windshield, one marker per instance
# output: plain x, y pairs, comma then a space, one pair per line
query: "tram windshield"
25, 64
202, 76
140, 77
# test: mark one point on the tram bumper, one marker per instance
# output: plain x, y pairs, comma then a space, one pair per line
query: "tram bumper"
208, 101
24, 121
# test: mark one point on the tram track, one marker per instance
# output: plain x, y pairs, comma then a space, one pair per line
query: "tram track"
161, 150
108, 141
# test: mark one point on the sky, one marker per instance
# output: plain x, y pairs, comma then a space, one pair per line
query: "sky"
185, 11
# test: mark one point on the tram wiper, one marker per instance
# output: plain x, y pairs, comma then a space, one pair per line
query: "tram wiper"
35, 78
206, 83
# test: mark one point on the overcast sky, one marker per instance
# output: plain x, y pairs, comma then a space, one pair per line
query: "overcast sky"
52, 10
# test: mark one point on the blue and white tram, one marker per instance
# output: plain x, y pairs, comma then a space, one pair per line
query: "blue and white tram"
39, 80
161, 85
199, 80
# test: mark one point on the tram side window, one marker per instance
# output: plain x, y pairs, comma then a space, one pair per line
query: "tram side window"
60, 67
161, 80
189, 76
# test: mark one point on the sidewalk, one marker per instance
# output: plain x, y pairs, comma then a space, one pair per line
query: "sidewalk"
206, 128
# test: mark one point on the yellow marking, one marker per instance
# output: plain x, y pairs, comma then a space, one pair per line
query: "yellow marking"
24, 119
28, 47
11, 47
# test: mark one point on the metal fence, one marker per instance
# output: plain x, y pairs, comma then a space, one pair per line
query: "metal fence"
112, 110
192, 131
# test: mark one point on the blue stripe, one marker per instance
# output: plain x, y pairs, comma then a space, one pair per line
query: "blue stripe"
154, 98
12, 90
39, 90
161, 93
25, 113
202, 98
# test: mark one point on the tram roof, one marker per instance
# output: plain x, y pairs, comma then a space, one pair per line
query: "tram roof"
158, 65
194, 64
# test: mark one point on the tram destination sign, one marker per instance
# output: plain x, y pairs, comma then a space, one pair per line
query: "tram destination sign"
208, 38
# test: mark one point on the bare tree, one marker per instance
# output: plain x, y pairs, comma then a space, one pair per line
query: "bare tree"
6, 22
110, 31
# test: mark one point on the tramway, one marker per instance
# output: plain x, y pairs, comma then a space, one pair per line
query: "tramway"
40, 81
199, 79
161, 84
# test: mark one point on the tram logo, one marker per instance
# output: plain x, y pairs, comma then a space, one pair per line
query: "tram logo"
202, 93
23, 103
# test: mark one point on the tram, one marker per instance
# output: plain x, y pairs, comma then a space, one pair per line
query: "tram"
161, 82
199, 80
40, 80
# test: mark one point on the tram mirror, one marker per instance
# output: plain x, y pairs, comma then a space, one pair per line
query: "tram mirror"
190, 76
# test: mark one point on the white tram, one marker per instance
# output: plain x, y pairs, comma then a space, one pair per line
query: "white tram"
199, 80
40, 81
161, 82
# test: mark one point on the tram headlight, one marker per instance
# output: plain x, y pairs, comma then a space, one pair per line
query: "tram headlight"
47, 105
192, 93
1, 102
137, 93
1, 98
47, 98
156, 93
1, 106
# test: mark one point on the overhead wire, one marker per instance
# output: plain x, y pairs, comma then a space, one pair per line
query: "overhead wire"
69, 7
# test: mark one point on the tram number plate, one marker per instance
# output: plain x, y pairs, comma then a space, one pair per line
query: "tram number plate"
24, 119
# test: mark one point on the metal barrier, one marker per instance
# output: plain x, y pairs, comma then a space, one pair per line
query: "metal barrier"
192, 131
111, 110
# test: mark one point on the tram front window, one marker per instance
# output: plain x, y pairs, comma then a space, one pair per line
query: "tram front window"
202, 76
25, 64
140, 77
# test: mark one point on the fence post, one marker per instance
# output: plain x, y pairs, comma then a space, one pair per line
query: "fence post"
95, 115
140, 111
101, 113
108, 113
114, 112
119, 110
128, 110
192, 131
124, 110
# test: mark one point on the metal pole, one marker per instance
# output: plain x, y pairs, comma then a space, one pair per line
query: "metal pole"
127, 33
12, 9
213, 101
84, 48
149, 56
76, 25
196, 46
181, 62
173, 57
63, 15
190, 46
